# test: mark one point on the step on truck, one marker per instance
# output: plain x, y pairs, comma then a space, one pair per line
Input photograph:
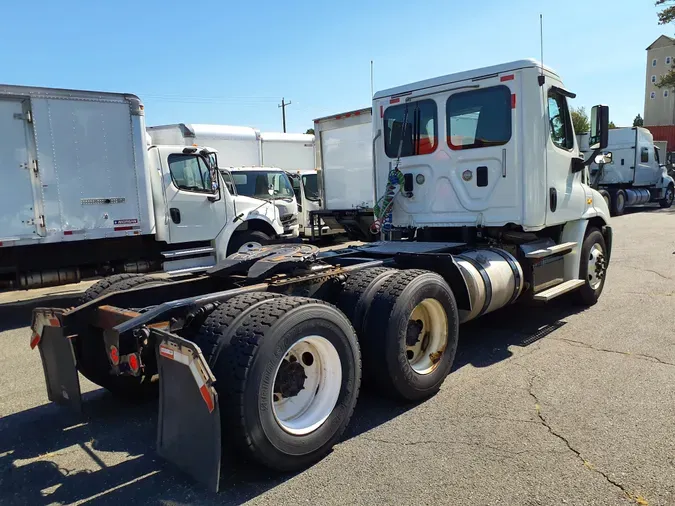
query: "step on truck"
344, 159
84, 194
631, 172
268, 349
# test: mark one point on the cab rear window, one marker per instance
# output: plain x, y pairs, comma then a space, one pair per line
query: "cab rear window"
418, 128
479, 118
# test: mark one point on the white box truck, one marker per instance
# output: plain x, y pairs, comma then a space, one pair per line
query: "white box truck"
492, 210
631, 172
290, 152
344, 158
83, 194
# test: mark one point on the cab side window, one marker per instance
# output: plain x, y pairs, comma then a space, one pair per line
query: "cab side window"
189, 172
562, 133
644, 155
229, 183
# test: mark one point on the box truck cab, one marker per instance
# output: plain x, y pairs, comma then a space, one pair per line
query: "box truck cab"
306, 187
269, 184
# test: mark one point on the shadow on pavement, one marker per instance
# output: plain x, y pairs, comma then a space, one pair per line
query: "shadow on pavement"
16, 316
44, 451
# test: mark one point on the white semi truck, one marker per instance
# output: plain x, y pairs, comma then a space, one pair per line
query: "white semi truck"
480, 186
632, 172
83, 194
344, 158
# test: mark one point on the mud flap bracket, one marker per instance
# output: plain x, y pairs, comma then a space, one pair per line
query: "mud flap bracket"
188, 430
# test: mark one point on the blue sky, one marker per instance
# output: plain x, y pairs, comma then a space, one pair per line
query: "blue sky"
231, 62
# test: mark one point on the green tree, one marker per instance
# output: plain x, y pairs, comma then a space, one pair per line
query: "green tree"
666, 15
638, 121
580, 120
310, 131
612, 125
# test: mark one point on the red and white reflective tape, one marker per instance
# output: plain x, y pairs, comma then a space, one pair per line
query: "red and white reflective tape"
188, 360
42, 321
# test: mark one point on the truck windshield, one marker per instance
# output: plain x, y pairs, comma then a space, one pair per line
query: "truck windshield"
257, 183
311, 184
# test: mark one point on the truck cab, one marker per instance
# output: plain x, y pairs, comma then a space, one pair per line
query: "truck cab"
486, 148
269, 184
197, 208
306, 187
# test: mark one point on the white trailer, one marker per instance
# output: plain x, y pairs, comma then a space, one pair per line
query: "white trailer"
84, 195
237, 146
290, 152
632, 171
344, 158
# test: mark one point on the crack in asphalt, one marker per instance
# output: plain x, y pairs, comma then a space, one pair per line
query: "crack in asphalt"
639, 356
537, 406
649, 270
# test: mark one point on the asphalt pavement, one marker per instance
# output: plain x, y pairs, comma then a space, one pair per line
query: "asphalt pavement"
547, 405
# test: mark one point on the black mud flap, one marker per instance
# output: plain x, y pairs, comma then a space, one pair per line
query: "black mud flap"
58, 358
188, 430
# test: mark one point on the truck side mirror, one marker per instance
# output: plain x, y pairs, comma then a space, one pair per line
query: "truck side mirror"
604, 158
599, 127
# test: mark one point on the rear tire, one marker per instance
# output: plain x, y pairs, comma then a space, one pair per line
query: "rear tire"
214, 335
608, 200
618, 203
251, 236
592, 269
358, 292
668, 198
403, 368
90, 350
254, 388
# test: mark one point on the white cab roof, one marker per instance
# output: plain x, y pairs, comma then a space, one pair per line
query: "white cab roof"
463, 76
220, 132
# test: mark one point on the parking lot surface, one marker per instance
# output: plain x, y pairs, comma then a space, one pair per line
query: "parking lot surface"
546, 405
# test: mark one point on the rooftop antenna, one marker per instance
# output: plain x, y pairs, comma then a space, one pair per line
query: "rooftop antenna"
542, 79
371, 79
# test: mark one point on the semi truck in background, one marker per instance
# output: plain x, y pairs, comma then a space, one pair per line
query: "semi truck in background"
84, 195
631, 171
493, 210
344, 159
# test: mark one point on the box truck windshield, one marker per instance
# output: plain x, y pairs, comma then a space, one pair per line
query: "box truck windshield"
257, 184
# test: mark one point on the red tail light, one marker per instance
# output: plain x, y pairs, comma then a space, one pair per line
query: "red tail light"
114, 355
133, 363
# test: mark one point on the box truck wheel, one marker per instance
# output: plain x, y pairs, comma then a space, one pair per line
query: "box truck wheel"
252, 237
288, 381
410, 335
593, 268
667, 199
214, 334
90, 352
618, 203
358, 292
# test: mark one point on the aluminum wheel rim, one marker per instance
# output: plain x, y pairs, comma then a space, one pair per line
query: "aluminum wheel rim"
606, 199
428, 328
670, 195
305, 411
596, 266
620, 201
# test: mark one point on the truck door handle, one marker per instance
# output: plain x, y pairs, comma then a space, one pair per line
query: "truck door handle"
553, 199
175, 214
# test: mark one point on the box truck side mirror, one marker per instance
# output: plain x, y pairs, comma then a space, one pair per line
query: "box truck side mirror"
599, 137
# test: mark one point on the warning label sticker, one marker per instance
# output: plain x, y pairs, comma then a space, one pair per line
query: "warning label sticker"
126, 222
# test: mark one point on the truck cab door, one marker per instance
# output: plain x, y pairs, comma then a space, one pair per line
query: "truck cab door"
647, 169
197, 207
565, 193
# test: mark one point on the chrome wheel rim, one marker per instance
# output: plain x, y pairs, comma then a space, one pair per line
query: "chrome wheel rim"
426, 336
596, 266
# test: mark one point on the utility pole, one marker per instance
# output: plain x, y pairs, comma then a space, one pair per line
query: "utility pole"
283, 112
